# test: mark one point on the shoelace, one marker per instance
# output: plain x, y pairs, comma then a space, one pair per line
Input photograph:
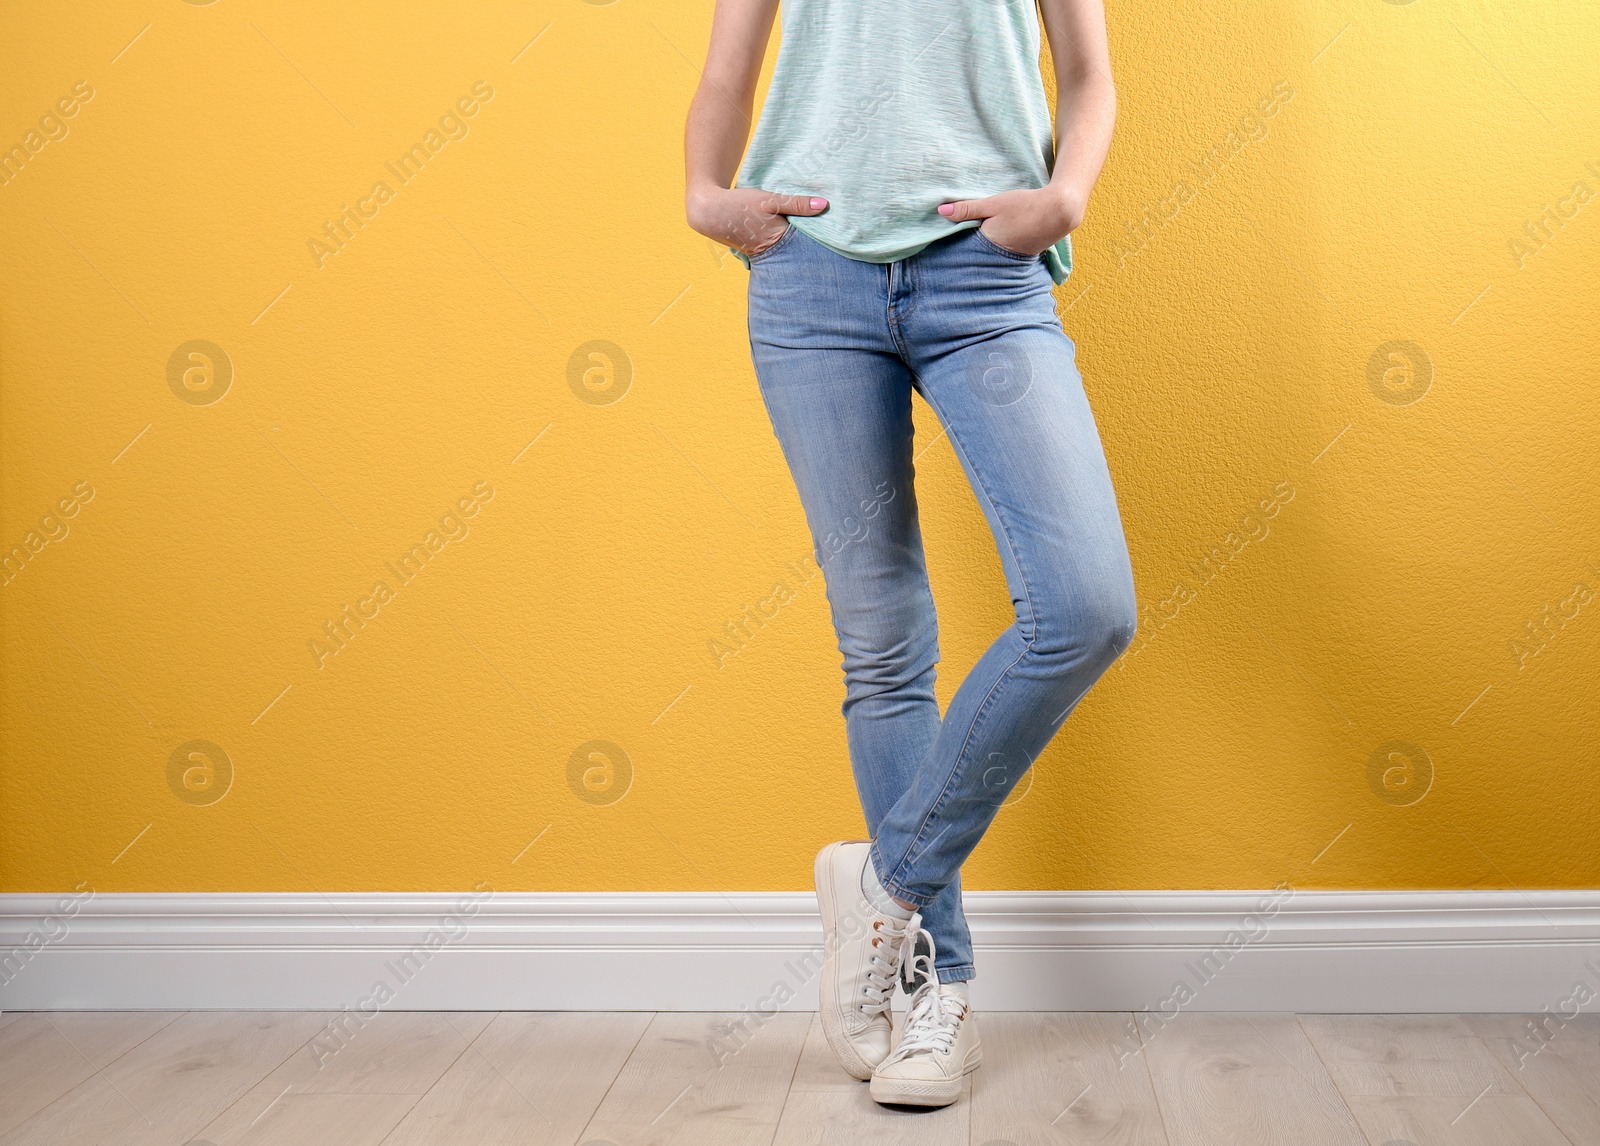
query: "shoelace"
933, 1018
897, 946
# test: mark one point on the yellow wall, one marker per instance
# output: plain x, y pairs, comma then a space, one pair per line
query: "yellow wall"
1346, 358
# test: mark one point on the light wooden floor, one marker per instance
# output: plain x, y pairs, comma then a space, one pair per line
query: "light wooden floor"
405, 1078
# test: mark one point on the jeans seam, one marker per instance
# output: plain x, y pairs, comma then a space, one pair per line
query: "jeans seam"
938, 803
893, 887
983, 706
893, 320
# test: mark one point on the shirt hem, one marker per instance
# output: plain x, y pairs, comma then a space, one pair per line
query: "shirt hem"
1057, 258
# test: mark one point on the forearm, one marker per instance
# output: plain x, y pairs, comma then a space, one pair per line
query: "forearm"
714, 139
1086, 98
1085, 114
718, 124
717, 129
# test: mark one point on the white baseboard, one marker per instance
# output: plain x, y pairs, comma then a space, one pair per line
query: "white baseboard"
1421, 951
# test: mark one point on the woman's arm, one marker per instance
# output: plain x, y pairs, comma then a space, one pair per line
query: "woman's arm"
1086, 108
718, 128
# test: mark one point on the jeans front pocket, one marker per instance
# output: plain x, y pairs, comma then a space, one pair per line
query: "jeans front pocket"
999, 250
788, 233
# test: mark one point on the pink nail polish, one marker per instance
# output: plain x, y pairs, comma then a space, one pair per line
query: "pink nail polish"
946, 209
818, 203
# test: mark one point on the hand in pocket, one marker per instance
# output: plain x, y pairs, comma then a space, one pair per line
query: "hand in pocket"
748, 218
1022, 222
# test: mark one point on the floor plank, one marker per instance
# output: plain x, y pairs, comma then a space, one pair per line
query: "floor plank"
827, 1106
1426, 1078
299, 1119
171, 1084
42, 1056
1049, 1079
1494, 1120
399, 1053
1438, 1055
531, 1076
1243, 1080
1561, 1073
703, 1079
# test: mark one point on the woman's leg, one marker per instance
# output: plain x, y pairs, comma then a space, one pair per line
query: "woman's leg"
839, 398
978, 327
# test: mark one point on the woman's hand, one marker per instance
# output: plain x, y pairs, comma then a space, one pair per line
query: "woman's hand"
747, 218
1026, 222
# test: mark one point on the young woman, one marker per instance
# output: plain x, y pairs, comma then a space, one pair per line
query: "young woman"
905, 211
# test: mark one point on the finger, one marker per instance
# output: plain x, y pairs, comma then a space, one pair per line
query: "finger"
796, 205
963, 209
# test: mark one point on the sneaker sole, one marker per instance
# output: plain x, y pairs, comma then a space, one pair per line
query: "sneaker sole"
832, 1024
923, 1092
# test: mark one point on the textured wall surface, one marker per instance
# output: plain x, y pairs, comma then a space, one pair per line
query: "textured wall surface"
290, 290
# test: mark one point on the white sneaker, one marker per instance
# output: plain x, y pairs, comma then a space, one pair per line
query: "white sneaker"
938, 1047
862, 950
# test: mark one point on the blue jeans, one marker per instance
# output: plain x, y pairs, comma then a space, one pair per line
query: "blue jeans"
838, 346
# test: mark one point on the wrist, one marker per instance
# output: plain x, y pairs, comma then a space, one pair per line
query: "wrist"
699, 202
1069, 200
702, 191
1064, 192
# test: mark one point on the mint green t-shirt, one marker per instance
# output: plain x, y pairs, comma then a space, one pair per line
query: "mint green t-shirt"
888, 108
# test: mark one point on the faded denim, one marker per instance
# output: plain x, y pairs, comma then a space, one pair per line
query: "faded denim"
839, 345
